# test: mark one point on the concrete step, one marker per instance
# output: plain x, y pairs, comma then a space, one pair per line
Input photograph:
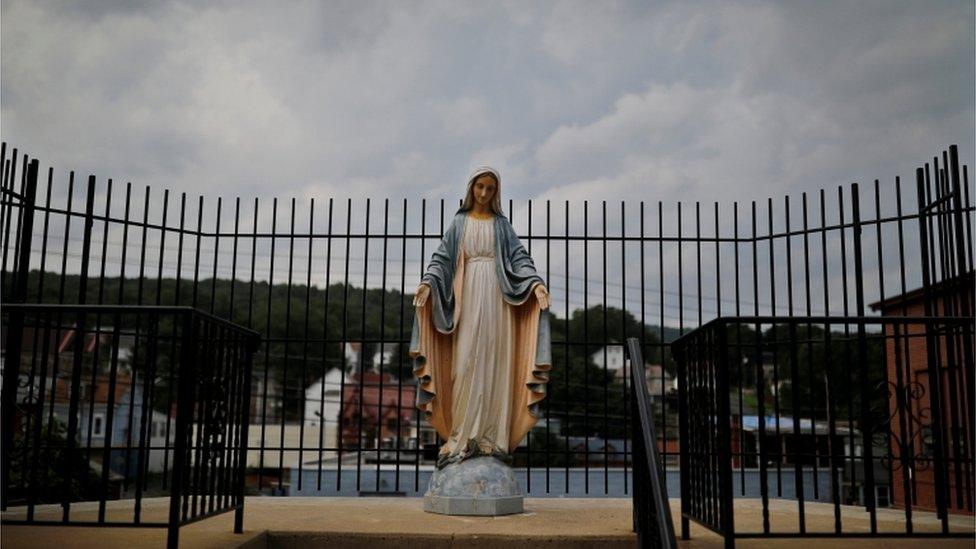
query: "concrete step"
360, 540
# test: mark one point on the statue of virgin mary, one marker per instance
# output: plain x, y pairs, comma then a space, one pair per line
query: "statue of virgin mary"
480, 343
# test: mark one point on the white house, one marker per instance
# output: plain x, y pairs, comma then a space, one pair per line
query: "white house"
614, 358
385, 353
352, 351
659, 381
322, 401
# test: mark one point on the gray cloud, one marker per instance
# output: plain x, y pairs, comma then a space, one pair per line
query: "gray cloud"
572, 100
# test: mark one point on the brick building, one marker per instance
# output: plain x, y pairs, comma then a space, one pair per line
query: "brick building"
387, 409
908, 361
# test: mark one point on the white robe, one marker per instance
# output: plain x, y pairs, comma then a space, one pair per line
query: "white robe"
482, 353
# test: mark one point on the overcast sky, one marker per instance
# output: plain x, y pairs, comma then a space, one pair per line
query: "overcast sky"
593, 100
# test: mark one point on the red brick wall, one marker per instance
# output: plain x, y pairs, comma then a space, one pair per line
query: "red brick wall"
912, 364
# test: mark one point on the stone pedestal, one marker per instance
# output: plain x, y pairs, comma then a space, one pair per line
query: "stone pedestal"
476, 486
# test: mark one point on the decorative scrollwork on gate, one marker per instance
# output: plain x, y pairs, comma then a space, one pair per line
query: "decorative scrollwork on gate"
915, 446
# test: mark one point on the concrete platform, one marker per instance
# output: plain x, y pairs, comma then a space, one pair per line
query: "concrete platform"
402, 522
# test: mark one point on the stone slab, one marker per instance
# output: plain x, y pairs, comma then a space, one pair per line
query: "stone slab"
474, 506
480, 486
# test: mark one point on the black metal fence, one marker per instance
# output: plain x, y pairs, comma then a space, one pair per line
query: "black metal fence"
99, 400
328, 285
855, 410
862, 431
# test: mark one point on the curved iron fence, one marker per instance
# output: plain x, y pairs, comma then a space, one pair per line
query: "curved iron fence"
98, 399
328, 285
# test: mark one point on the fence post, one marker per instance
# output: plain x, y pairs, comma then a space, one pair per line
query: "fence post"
15, 331
184, 417
79, 348
678, 352
251, 347
867, 425
724, 437
963, 245
935, 380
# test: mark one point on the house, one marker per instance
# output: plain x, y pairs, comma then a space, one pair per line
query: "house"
785, 440
908, 365
322, 399
659, 380
352, 350
384, 354
612, 357
265, 403
382, 405
130, 422
598, 448
98, 399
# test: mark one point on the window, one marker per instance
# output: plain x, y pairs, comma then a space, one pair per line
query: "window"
98, 425
881, 496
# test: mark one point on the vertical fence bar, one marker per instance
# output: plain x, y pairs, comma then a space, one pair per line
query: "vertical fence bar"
416, 411
285, 357
740, 359
905, 420
18, 229
382, 343
251, 348
586, 348
15, 329
362, 352
794, 359
724, 438
684, 460
849, 381
325, 342
305, 338
867, 427
623, 339
889, 457
965, 309
566, 418
760, 381
662, 348
184, 416
935, 393
345, 343
145, 404
80, 332
549, 311
401, 338
35, 441
606, 389
828, 369
812, 403
775, 352
267, 332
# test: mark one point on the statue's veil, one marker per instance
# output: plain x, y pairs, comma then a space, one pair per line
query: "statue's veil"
496, 201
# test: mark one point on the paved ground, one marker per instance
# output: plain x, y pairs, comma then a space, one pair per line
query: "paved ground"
401, 522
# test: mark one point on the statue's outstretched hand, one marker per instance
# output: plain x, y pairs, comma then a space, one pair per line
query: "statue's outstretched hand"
420, 296
542, 294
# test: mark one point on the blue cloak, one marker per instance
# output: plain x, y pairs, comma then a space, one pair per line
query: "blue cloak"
431, 342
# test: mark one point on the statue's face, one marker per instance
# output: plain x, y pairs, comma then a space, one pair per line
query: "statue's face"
484, 189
